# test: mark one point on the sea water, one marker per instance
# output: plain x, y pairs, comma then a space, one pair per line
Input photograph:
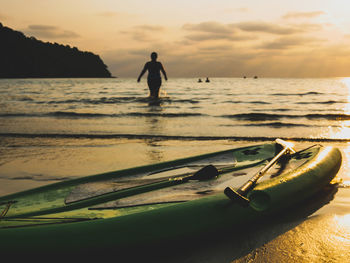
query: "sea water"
57, 129
223, 108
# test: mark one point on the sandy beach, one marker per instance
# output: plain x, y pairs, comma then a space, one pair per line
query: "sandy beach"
91, 87
317, 231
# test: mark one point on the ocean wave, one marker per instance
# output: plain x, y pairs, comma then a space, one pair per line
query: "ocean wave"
161, 114
102, 100
321, 102
118, 100
191, 101
247, 102
278, 124
256, 116
338, 117
269, 116
54, 114
280, 109
25, 98
130, 114
298, 94
72, 114
168, 137
10, 115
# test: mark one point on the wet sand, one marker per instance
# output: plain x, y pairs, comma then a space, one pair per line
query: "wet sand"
316, 231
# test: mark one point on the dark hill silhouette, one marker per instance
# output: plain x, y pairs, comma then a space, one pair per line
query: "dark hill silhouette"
27, 57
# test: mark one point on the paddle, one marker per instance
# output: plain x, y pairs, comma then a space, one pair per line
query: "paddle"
205, 173
239, 195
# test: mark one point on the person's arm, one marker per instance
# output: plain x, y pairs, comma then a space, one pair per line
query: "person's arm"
163, 71
142, 72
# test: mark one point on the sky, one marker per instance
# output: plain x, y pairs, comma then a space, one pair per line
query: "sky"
199, 38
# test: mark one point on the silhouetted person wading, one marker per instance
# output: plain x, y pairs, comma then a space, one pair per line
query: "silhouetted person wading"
154, 79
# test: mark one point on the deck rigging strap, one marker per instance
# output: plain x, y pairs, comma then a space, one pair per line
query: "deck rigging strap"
6, 209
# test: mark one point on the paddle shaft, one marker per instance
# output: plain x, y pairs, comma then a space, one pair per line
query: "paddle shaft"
252, 181
239, 195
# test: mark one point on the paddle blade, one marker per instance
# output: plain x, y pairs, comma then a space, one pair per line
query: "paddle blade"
205, 173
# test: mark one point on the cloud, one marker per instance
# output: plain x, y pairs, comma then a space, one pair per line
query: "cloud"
50, 32
223, 61
209, 27
289, 42
213, 36
248, 48
140, 36
212, 59
263, 27
242, 31
297, 15
307, 27
215, 49
144, 33
128, 62
214, 31
149, 28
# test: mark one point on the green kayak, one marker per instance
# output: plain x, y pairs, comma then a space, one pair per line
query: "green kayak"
164, 202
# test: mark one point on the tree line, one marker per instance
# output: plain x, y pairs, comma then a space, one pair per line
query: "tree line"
27, 57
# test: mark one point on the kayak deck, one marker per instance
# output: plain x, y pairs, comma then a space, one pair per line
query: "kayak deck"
98, 189
137, 190
104, 222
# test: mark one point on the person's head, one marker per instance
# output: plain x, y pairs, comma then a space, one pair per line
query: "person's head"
154, 56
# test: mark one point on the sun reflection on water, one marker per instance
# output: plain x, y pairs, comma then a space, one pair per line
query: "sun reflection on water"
343, 131
343, 225
346, 83
344, 220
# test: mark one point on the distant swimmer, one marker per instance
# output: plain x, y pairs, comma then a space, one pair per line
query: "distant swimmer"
207, 80
154, 79
255, 77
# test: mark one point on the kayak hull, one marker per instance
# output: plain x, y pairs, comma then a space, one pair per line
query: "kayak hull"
180, 221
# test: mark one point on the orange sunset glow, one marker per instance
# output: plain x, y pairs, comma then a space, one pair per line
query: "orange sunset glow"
175, 131
223, 38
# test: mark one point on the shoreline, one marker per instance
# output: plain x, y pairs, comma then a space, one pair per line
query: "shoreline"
161, 137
